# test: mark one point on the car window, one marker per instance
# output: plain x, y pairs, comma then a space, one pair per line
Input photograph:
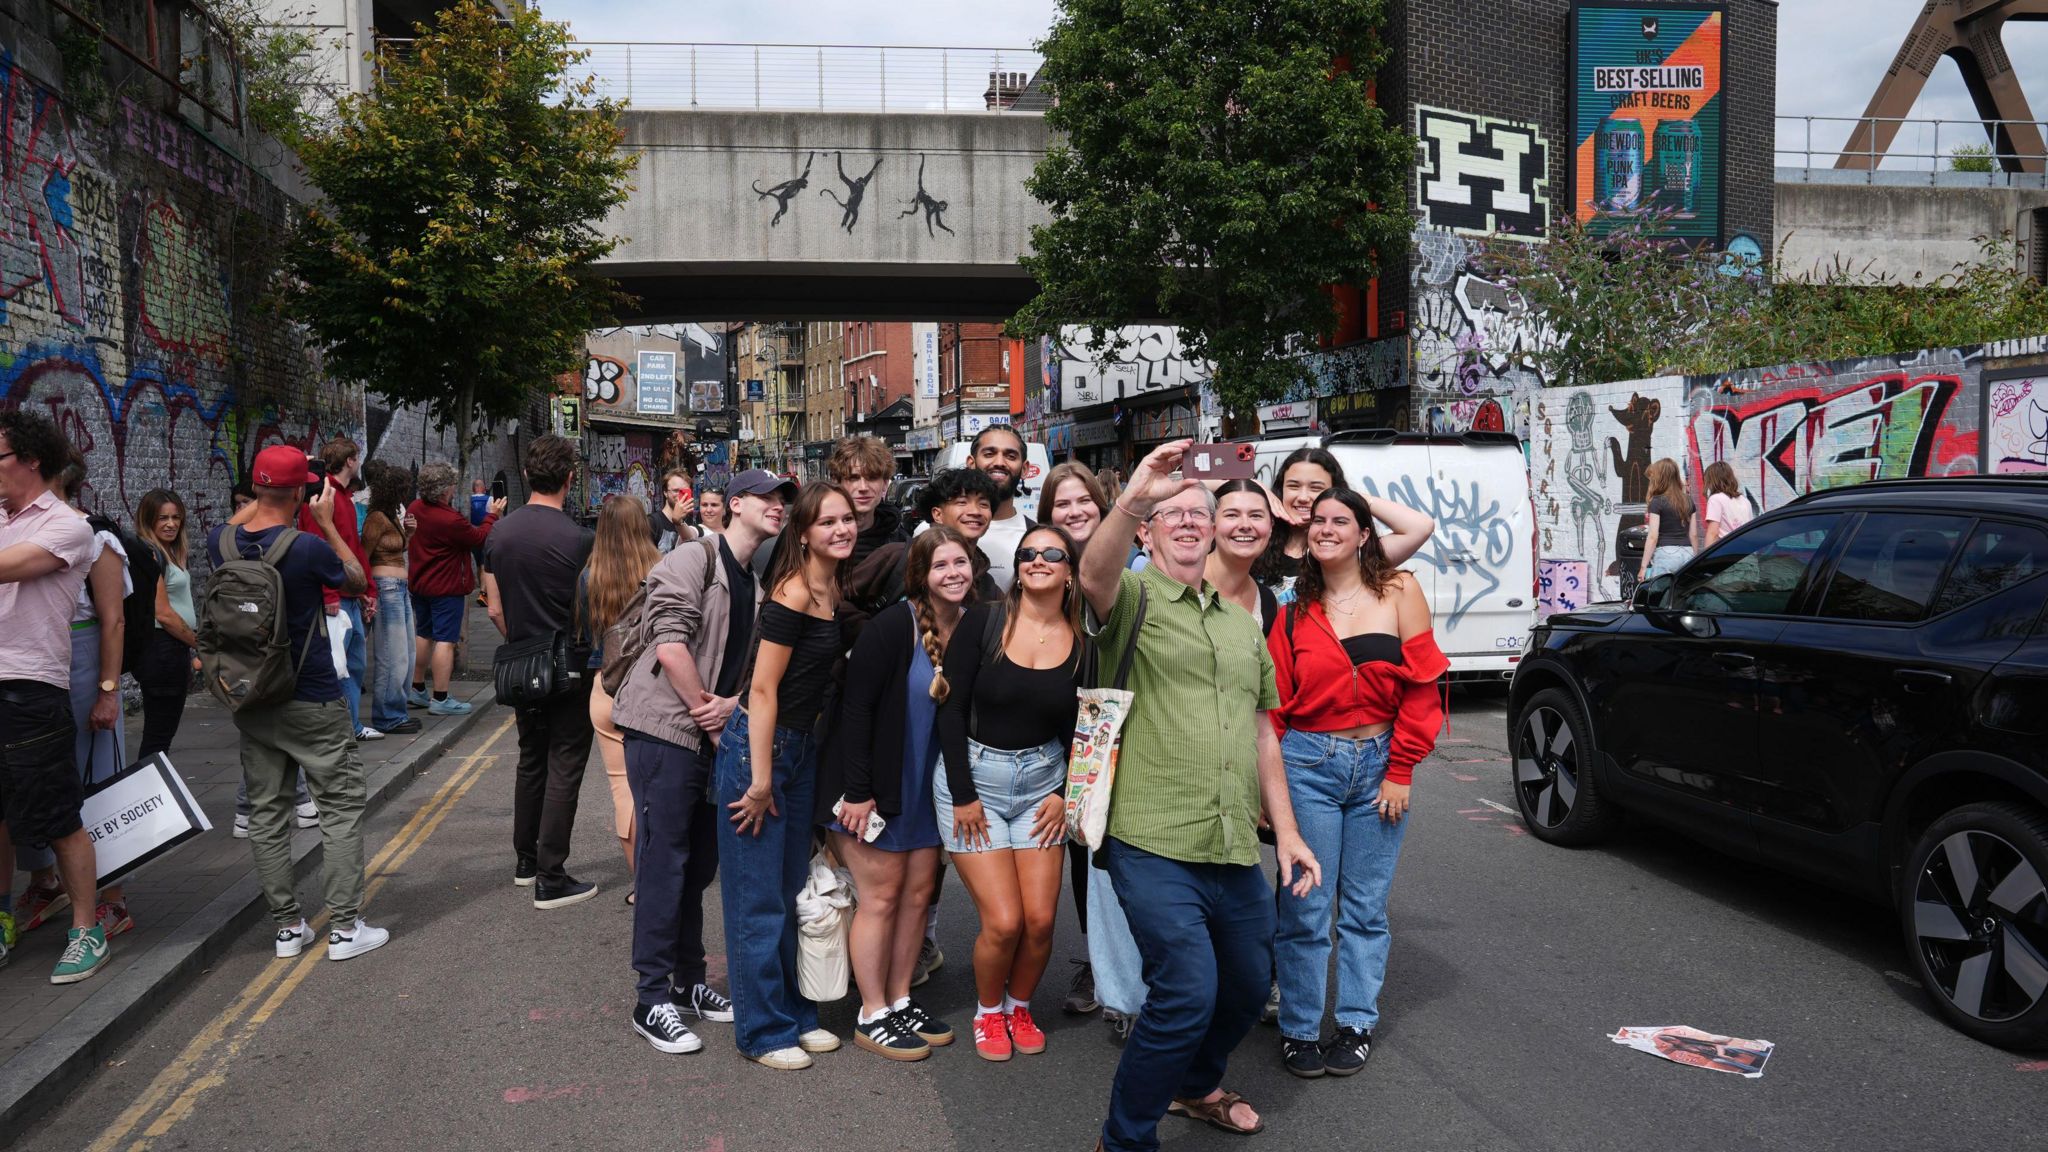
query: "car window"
1891, 566
1757, 572
1998, 556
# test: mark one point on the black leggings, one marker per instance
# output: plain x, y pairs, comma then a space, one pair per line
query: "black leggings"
166, 678
1077, 874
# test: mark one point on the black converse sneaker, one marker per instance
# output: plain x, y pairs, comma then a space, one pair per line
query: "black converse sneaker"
927, 1027
889, 1036
1304, 1058
702, 1001
663, 1027
1347, 1051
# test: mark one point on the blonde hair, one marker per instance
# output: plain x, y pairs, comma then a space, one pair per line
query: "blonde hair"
620, 560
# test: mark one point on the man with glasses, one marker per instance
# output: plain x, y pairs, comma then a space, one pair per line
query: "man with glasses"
1198, 760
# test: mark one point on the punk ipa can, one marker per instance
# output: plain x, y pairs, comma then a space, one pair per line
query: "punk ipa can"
1618, 163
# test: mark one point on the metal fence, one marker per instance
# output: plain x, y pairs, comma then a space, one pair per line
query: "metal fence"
812, 77
1927, 146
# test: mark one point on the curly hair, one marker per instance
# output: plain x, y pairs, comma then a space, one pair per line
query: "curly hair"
950, 484
391, 488
1374, 568
34, 436
437, 482
916, 589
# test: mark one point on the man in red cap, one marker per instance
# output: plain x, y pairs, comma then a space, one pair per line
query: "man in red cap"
312, 728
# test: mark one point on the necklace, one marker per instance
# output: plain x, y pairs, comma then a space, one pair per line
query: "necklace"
1342, 603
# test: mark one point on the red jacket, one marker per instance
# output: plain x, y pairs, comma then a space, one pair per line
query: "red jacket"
345, 526
1320, 690
438, 555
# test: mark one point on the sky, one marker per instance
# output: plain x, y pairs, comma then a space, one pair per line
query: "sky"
1831, 53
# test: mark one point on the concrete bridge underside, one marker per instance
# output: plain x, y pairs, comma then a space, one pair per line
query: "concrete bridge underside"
820, 215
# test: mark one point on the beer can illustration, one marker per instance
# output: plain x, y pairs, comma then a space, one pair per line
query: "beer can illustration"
1618, 163
1676, 161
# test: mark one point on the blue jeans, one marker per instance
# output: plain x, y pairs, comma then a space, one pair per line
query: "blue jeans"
357, 647
759, 881
1334, 784
1112, 952
1206, 934
673, 862
392, 633
1011, 786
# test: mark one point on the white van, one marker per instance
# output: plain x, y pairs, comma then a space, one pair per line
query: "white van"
1479, 567
1036, 465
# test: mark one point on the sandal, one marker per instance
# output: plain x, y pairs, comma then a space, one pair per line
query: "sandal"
1216, 1113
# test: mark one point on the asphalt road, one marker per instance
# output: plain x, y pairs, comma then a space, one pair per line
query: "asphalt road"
485, 1024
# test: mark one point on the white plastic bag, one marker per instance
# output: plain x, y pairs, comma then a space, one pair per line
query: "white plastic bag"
824, 917
337, 643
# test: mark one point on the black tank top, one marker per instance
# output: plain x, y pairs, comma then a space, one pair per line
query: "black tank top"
1372, 647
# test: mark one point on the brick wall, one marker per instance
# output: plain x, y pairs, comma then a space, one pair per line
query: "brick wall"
135, 253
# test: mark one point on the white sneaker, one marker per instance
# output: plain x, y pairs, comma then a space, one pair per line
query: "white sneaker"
292, 940
367, 733
784, 1059
241, 826
343, 945
309, 815
818, 1040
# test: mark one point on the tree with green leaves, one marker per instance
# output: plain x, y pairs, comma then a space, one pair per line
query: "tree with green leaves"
449, 263
1217, 165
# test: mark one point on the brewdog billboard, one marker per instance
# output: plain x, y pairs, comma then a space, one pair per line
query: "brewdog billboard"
1647, 111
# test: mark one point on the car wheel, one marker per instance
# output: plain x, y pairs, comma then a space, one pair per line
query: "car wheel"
1975, 912
1555, 790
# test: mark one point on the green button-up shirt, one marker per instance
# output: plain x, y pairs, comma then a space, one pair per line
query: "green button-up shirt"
1187, 777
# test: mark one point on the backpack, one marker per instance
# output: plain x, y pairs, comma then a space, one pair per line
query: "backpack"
245, 644
138, 608
626, 639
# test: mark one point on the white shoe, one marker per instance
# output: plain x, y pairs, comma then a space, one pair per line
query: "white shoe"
293, 939
818, 1040
342, 946
784, 1059
367, 733
309, 815
241, 826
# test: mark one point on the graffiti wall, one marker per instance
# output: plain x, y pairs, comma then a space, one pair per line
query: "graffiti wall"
132, 254
1476, 341
1787, 430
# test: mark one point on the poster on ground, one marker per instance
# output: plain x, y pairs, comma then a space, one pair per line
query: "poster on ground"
1683, 1045
1647, 111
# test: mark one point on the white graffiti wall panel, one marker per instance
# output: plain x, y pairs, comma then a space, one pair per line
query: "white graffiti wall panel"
1477, 342
2017, 425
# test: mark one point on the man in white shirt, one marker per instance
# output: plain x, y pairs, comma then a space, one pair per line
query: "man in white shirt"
998, 452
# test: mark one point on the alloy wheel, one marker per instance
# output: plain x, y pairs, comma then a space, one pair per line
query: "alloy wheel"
1546, 768
1980, 916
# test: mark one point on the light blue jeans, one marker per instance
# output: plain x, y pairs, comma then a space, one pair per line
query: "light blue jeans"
1334, 784
1112, 951
1011, 786
392, 635
1668, 558
357, 648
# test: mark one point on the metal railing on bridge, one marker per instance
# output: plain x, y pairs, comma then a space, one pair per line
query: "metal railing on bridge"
810, 77
1933, 150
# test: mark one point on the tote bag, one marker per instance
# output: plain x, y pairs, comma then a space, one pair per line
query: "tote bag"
1098, 734
139, 814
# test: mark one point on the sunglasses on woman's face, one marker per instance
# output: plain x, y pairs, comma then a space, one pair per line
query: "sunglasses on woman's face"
1049, 555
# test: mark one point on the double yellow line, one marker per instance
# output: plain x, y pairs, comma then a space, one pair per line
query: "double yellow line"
203, 1063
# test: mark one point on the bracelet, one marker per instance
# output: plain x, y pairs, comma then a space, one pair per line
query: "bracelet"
1119, 506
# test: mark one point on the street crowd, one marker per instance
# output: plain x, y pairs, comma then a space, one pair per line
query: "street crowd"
776, 674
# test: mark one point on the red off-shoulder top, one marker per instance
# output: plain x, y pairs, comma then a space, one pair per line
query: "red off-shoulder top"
1322, 691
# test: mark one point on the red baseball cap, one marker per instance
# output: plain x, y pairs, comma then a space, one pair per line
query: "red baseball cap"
281, 466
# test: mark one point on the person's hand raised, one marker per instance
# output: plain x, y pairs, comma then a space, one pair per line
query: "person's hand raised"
1154, 480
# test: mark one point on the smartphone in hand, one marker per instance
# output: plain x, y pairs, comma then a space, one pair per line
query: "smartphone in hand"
498, 488
1219, 462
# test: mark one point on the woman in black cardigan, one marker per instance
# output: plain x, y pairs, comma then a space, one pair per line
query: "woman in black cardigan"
888, 752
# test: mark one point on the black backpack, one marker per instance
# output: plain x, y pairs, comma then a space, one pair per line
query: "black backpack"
138, 608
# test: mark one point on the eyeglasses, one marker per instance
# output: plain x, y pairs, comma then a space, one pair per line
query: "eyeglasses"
1174, 517
1049, 555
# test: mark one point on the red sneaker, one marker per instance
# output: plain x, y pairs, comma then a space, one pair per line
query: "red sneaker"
1024, 1031
992, 1036
40, 904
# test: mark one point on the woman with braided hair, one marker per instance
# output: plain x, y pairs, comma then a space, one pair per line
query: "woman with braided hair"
1014, 665
886, 760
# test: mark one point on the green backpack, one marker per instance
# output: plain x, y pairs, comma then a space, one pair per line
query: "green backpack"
245, 645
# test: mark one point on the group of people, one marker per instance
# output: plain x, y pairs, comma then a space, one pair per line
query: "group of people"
776, 667
1672, 535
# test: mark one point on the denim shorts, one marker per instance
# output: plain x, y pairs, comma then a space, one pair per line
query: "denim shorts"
40, 785
439, 618
1012, 785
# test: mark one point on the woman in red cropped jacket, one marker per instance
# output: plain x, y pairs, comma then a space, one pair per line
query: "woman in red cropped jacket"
1357, 668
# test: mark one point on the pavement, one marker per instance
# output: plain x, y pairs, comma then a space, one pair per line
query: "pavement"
486, 1023
189, 905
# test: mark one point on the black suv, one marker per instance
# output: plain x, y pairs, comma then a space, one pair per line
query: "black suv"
1853, 687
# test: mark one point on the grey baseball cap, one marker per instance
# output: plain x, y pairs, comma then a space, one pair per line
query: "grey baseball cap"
760, 482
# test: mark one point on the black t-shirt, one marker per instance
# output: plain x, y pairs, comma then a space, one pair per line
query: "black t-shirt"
1671, 525
309, 568
536, 555
740, 633
814, 646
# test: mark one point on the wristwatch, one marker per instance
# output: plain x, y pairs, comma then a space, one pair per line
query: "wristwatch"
110, 685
